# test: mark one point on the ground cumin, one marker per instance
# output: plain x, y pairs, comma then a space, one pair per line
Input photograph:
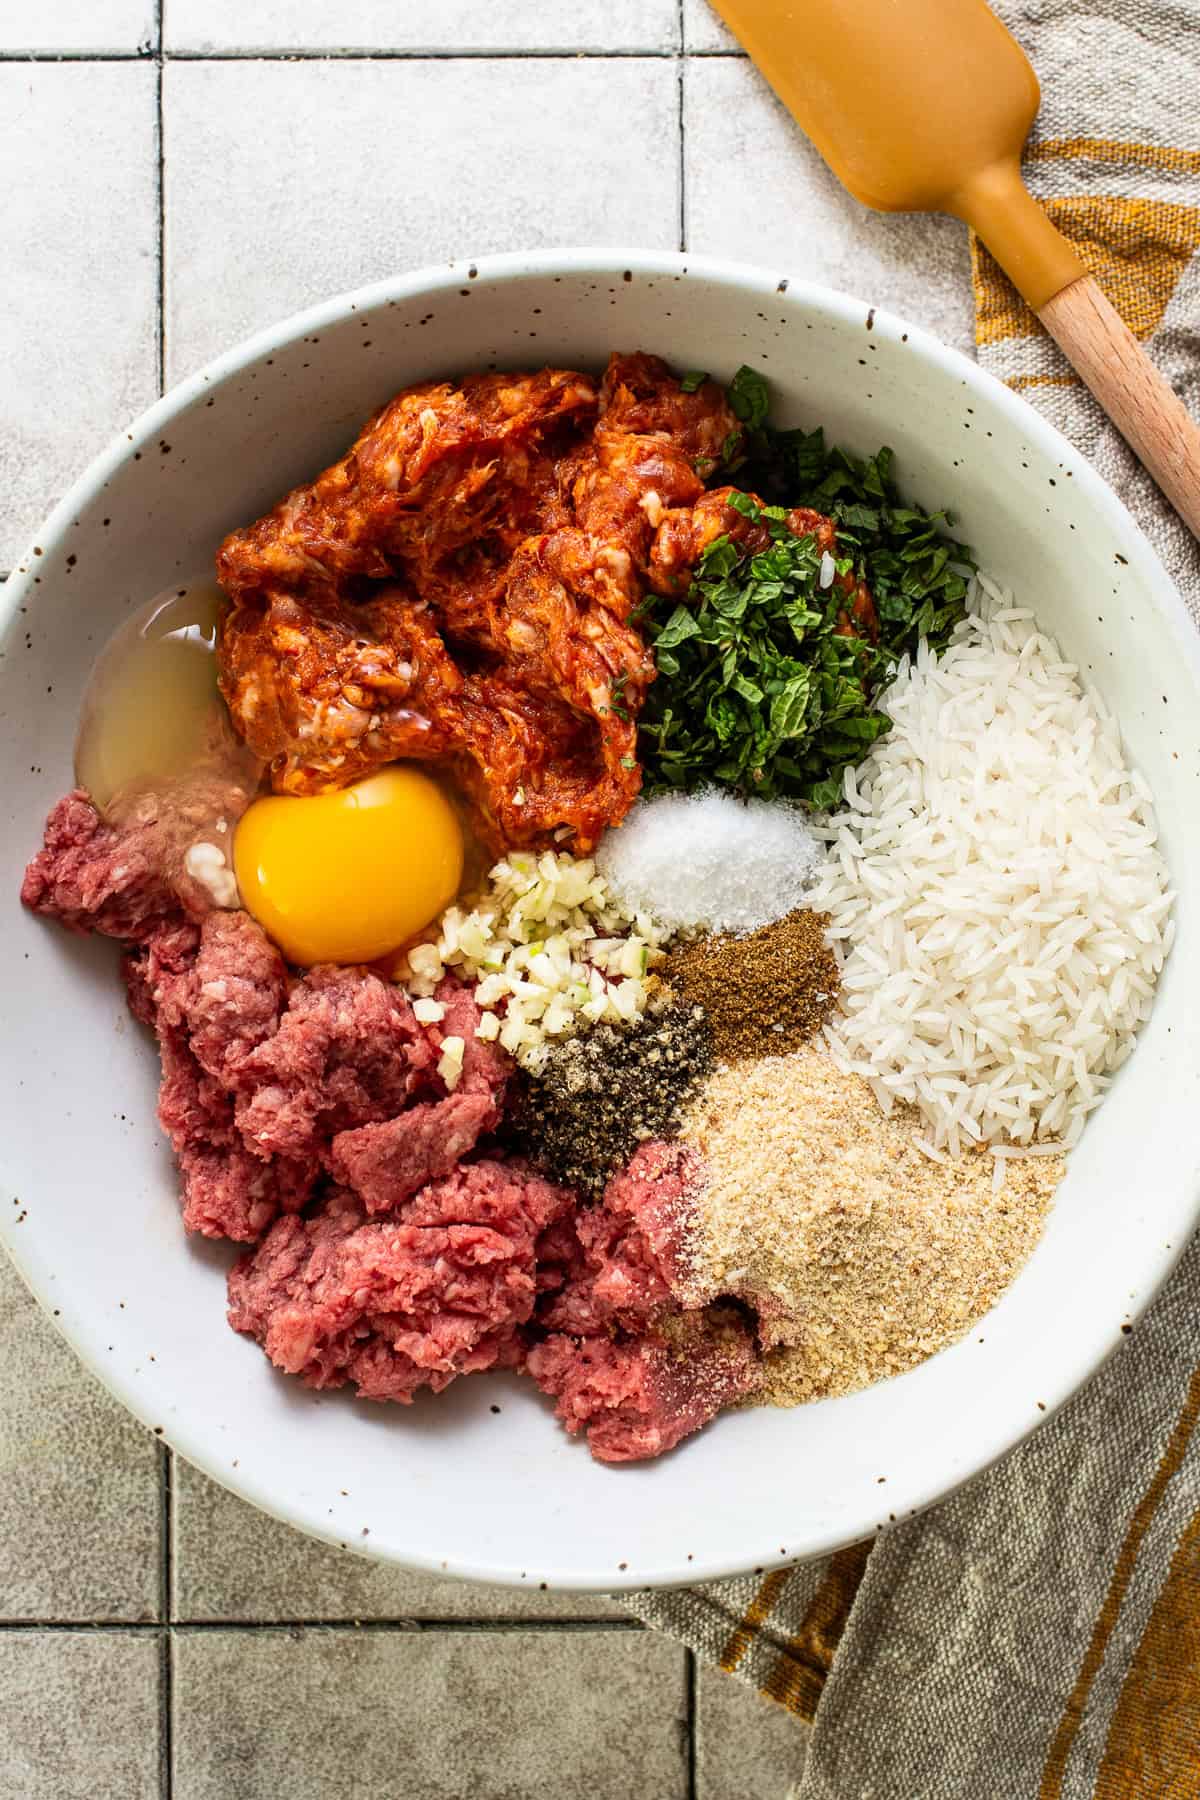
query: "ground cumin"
764, 994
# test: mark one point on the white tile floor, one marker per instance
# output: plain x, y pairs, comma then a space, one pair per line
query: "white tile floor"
311, 177
77, 27
78, 322
580, 1715
456, 27
757, 190
703, 31
80, 1715
192, 170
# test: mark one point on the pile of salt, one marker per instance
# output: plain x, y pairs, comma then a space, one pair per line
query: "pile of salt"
710, 862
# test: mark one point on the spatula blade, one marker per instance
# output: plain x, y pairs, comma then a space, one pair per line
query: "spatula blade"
905, 101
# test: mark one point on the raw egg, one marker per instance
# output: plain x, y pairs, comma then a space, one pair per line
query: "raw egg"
152, 711
347, 877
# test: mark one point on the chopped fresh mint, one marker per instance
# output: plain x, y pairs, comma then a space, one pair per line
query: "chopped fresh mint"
761, 687
749, 398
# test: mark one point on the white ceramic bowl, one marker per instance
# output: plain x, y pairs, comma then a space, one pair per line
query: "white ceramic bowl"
90, 1212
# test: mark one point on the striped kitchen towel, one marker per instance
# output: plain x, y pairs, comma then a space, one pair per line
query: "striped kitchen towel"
1037, 1635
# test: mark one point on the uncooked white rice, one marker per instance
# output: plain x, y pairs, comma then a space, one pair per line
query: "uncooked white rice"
995, 886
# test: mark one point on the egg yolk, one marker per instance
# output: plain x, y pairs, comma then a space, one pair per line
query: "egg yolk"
346, 877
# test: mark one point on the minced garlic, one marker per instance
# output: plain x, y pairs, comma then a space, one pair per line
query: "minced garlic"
550, 952
450, 1062
206, 864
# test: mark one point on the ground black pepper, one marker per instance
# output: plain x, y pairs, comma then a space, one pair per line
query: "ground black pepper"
764, 994
603, 1093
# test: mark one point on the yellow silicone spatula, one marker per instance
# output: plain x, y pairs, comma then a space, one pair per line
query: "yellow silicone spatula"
924, 106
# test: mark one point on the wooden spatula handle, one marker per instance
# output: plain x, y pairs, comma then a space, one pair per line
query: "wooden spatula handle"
1146, 411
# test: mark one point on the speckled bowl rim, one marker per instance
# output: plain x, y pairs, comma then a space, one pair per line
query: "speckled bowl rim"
1088, 1346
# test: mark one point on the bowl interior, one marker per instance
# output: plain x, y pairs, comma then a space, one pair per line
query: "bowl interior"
89, 1212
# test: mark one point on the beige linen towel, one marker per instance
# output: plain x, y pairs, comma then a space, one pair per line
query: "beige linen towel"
1037, 1635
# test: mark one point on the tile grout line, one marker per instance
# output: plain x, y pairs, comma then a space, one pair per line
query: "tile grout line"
35, 58
11, 57
690, 1699
166, 1675
160, 349
400, 1626
166, 1703
682, 80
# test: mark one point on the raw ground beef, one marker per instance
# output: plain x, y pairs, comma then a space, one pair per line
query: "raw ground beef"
457, 1282
269, 1084
626, 1363
628, 1266
387, 1163
263, 1070
396, 1305
227, 1191
309, 1120
91, 877
639, 1397
122, 877
348, 1052
231, 998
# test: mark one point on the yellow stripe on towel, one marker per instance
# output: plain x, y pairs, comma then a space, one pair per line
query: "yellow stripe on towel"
1060, 1749
755, 1616
1154, 1739
798, 1678
1017, 382
1136, 249
1131, 156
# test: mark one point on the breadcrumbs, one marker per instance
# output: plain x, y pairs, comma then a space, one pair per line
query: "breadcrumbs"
861, 1255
